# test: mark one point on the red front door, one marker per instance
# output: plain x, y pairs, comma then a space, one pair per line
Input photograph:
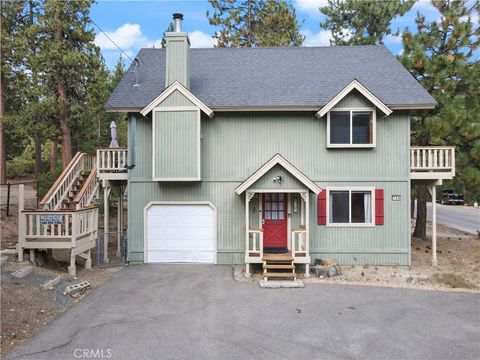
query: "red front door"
274, 220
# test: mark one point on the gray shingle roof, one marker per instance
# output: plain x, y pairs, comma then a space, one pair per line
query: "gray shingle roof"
297, 77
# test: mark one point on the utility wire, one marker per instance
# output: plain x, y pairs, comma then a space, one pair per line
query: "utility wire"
113, 42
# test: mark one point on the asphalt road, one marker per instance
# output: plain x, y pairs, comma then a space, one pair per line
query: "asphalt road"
456, 216
200, 312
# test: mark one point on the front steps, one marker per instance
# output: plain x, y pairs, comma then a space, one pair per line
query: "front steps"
278, 266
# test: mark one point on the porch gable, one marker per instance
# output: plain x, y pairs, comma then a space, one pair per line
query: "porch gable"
278, 166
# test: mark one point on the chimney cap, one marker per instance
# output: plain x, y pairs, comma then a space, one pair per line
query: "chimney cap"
178, 16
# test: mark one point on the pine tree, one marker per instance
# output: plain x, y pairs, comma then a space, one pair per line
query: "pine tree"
170, 28
441, 56
360, 22
70, 58
251, 23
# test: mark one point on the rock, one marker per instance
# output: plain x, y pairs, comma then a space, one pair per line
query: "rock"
320, 271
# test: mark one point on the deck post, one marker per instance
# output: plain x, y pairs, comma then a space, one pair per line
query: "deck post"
433, 193
21, 222
121, 190
106, 221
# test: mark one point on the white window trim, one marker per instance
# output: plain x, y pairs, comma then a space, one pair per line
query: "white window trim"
350, 189
198, 145
351, 110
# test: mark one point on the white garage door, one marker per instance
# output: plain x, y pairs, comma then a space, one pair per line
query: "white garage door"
181, 233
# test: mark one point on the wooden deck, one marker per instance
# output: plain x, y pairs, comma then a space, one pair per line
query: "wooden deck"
278, 257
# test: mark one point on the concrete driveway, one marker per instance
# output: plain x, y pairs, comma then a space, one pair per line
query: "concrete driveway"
199, 312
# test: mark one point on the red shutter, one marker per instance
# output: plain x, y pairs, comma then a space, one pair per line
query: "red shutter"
322, 208
378, 206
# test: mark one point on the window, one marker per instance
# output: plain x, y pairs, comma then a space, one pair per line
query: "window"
351, 128
350, 206
274, 206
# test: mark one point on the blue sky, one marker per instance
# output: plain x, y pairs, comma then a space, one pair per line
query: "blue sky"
136, 24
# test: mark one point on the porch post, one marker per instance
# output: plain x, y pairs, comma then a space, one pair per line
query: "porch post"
433, 193
248, 196
307, 232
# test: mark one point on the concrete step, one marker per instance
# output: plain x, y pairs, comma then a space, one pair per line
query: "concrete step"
280, 275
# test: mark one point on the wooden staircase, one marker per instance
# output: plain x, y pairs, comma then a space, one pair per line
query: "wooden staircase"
278, 266
68, 202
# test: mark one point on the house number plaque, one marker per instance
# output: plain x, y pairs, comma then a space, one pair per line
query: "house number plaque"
396, 197
51, 219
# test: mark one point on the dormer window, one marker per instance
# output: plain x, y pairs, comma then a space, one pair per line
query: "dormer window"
351, 127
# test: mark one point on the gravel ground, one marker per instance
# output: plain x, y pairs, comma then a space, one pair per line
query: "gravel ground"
458, 256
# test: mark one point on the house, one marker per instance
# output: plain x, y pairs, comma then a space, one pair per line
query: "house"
265, 155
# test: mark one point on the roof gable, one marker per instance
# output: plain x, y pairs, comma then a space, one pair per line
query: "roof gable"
176, 87
354, 85
277, 160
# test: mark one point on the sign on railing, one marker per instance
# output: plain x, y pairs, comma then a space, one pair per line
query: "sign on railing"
51, 219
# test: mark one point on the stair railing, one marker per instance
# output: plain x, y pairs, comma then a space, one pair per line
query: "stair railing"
89, 189
80, 163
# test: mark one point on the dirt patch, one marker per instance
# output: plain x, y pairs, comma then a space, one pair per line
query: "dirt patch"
458, 255
26, 307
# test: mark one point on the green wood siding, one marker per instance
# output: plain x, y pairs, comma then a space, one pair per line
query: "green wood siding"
234, 145
289, 181
176, 99
352, 100
178, 59
176, 136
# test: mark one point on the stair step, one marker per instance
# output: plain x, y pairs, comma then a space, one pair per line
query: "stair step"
277, 257
280, 275
279, 266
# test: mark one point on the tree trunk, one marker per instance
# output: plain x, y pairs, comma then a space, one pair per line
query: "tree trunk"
62, 111
38, 153
3, 146
53, 155
421, 224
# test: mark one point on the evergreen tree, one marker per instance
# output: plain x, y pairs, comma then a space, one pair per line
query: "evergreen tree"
360, 22
441, 56
70, 59
170, 28
250, 23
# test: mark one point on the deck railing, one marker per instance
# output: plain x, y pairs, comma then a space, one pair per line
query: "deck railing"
57, 228
432, 159
299, 242
255, 243
81, 163
112, 160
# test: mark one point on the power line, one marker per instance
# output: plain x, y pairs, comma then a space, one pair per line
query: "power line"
113, 42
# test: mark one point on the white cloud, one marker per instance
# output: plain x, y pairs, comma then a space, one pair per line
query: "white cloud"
321, 38
392, 39
474, 18
199, 39
129, 37
126, 37
424, 5
310, 5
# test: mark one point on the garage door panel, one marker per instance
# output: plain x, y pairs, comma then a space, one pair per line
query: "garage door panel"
181, 233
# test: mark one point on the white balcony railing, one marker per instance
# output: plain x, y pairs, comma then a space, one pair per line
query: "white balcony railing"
432, 162
112, 163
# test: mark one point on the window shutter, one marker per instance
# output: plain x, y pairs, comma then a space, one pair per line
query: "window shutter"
378, 206
322, 208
